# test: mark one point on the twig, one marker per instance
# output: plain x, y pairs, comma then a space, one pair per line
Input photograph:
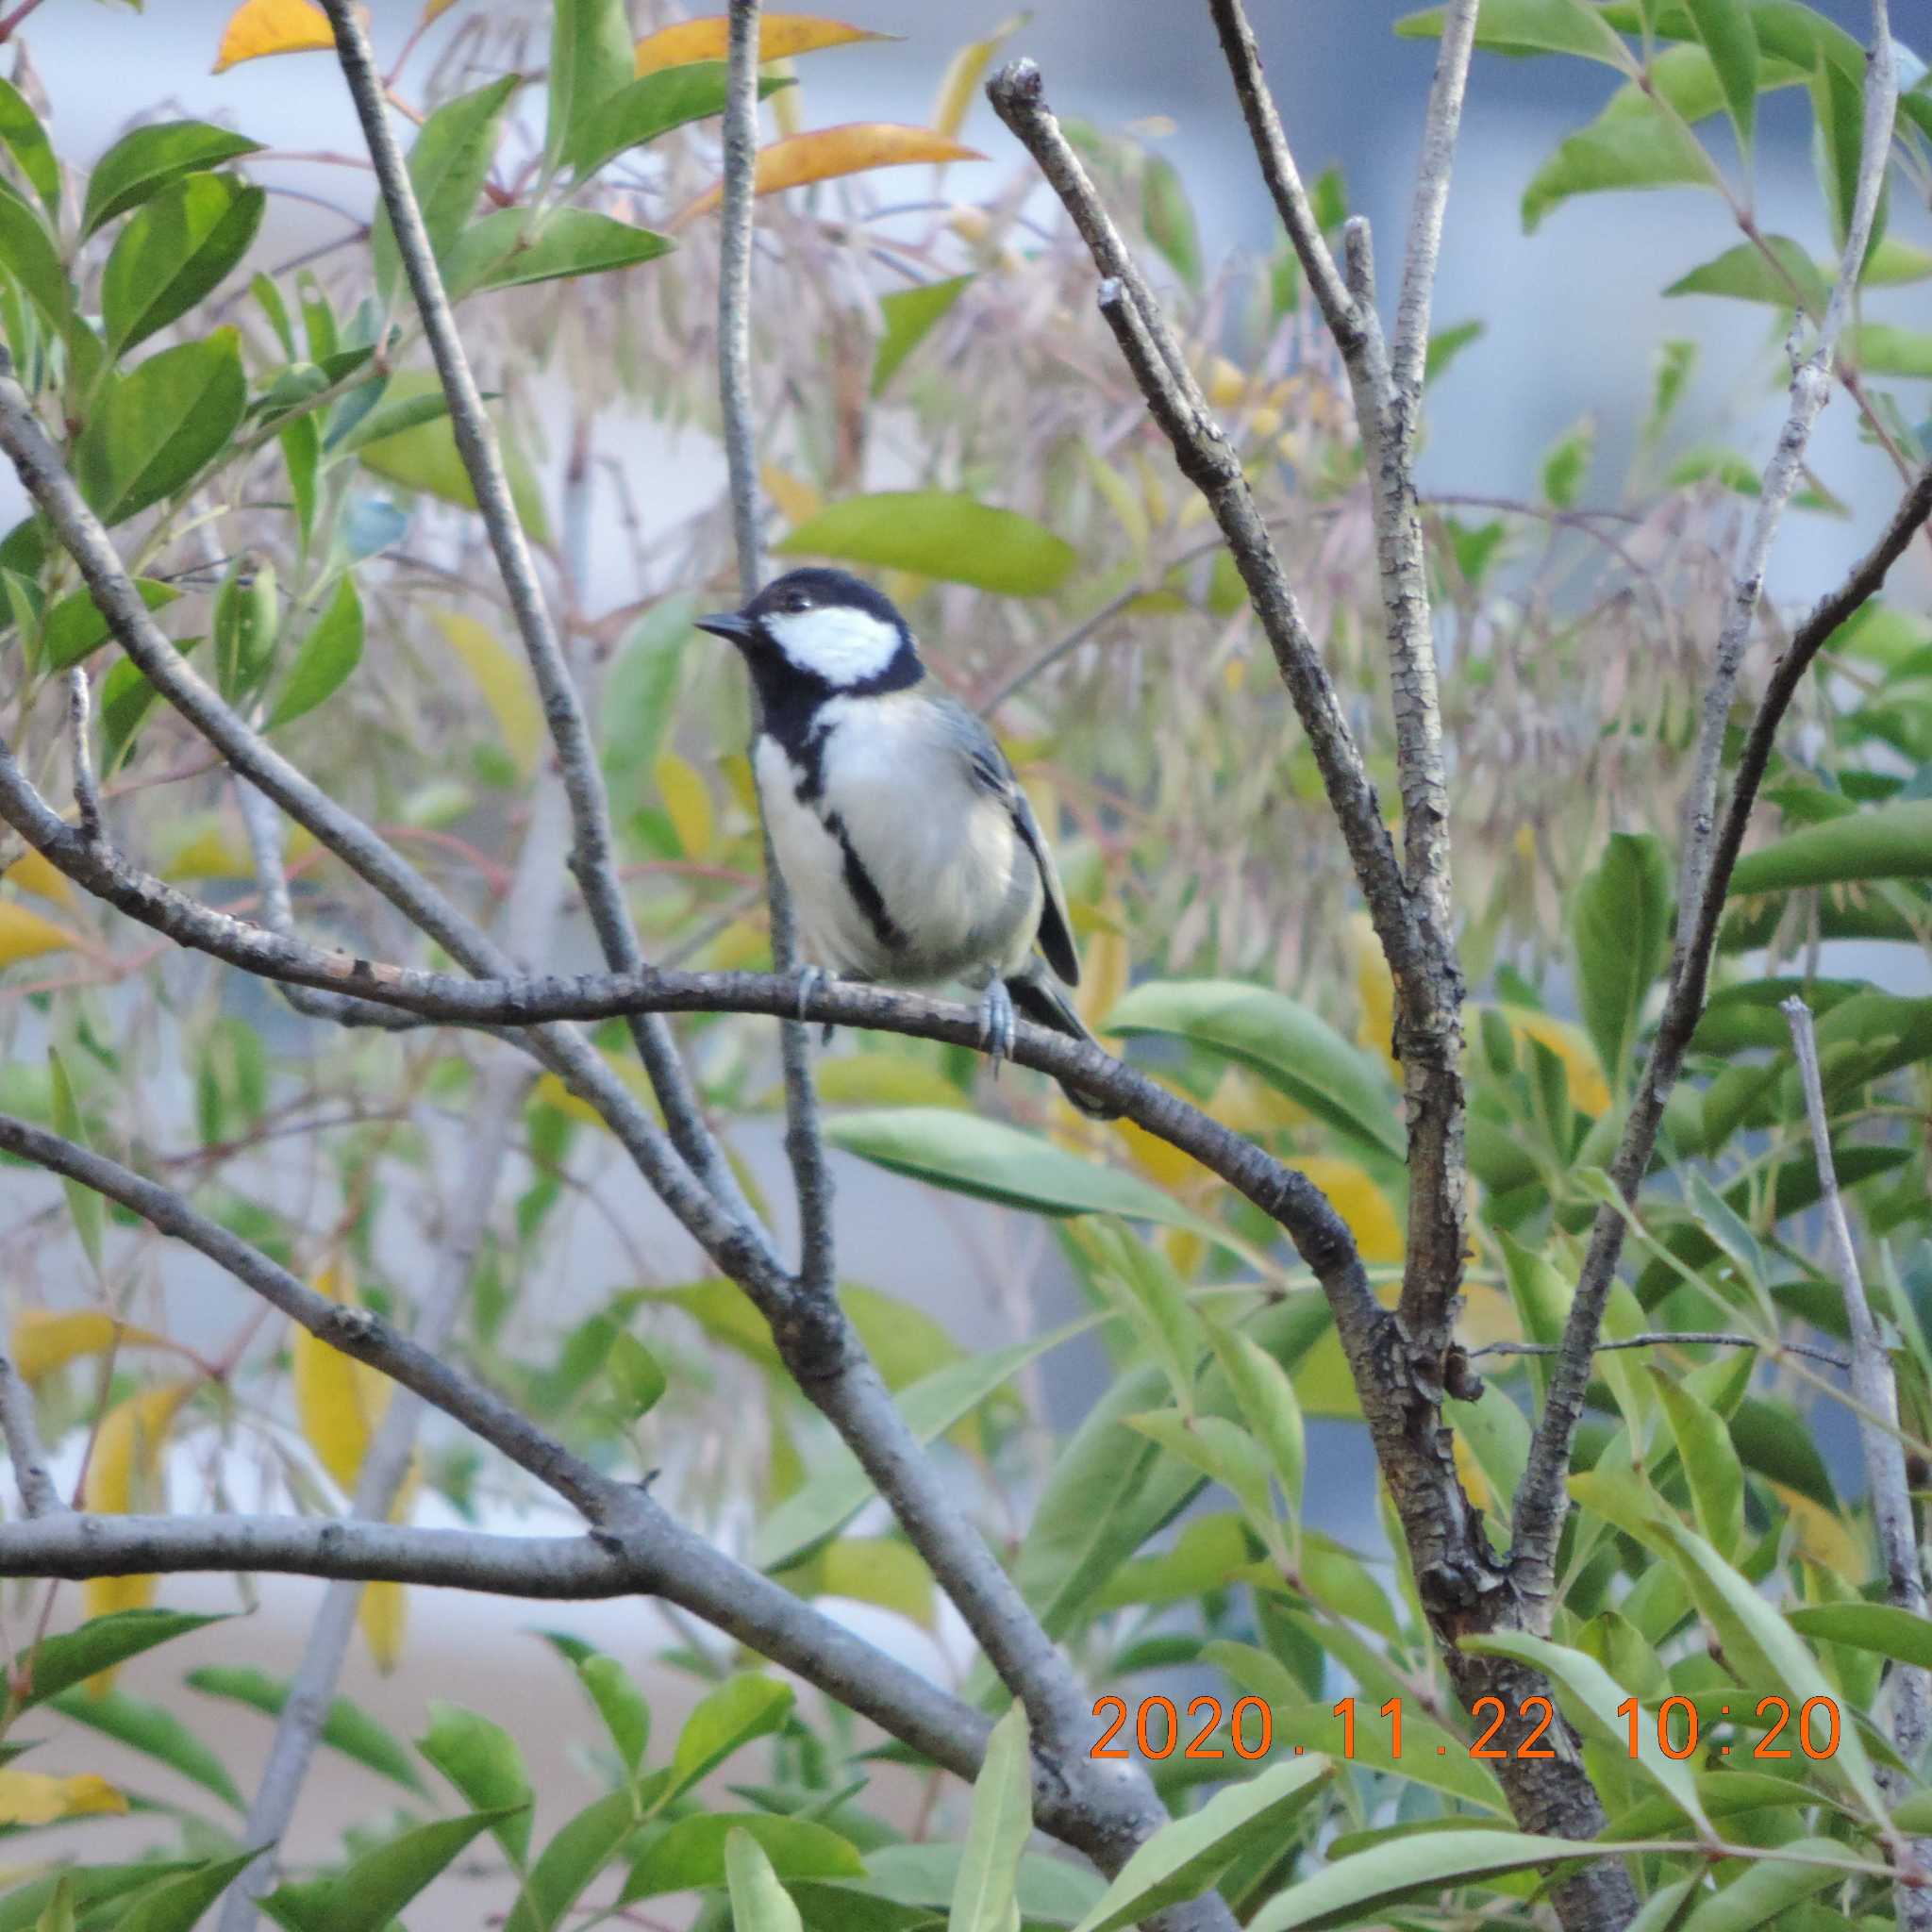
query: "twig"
590, 859
805, 1146
1888, 1489
1687, 1337
38, 1492
87, 793
1542, 1501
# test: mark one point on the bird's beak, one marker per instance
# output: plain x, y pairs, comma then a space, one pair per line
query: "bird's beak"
727, 624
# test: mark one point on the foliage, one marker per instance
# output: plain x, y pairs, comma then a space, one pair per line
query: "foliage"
282, 476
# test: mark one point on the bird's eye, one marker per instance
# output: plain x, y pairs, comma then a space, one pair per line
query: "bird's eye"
796, 601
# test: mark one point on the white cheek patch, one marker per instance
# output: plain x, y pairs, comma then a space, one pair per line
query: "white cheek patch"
840, 645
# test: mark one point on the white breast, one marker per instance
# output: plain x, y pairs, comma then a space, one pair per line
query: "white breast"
955, 877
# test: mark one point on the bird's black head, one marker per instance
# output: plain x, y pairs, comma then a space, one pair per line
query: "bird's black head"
823, 632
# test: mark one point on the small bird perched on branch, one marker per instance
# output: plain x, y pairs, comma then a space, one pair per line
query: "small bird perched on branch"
911, 855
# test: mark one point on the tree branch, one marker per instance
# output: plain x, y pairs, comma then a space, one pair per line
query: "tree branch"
1709, 855
804, 1146
590, 861
37, 1493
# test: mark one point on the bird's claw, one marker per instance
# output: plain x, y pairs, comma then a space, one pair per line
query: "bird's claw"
810, 979
997, 1026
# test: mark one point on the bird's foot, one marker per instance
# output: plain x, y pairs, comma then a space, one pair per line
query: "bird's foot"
997, 1026
808, 979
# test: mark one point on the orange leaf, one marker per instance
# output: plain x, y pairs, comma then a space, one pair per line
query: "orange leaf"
260, 27
780, 36
828, 152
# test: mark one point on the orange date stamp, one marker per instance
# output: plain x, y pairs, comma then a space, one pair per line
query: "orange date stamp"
1674, 1728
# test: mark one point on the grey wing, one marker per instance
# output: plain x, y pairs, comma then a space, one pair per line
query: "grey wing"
991, 772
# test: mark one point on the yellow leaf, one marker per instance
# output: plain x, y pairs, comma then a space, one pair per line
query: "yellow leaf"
1374, 990
1589, 1090
780, 36
338, 1401
743, 787
551, 1091
43, 1340
25, 934
1104, 975
1488, 1315
1824, 1537
123, 1471
687, 803
1360, 1203
828, 152
869, 1570
1225, 385
797, 501
209, 851
504, 680
30, 1797
964, 73
384, 1615
33, 872
260, 27
1250, 1106
884, 1079
435, 10
1471, 1470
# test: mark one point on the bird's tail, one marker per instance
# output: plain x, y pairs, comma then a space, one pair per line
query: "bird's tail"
1045, 1005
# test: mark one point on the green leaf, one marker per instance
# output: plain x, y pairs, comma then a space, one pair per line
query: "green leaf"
178, 1905
572, 1860
89, 1886
1143, 1286
590, 62
1838, 122
448, 164
937, 533
28, 254
73, 625
325, 658
1221, 1450
1890, 842
1589, 1697
1759, 1895
1710, 1465
1568, 463
247, 620
1675, 361
1883, 1627
746, 1706
759, 1902
690, 1857
348, 1727
426, 457
1354, 1889
505, 250
143, 164
997, 1832
376, 1886
173, 252
1724, 27
928, 1408
1894, 263
639, 696
995, 1162
1881, 349
301, 444
1168, 219
620, 1703
486, 1765
1184, 1860
1445, 344
910, 315
87, 1208
127, 697
1744, 273
1292, 1049
1632, 143
26, 142
1267, 1404
1763, 1648
156, 426
643, 109
1530, 26
386, 419
636, 1374
154, 1729
1620, 924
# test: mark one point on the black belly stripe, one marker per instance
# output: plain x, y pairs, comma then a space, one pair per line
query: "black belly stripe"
865, 893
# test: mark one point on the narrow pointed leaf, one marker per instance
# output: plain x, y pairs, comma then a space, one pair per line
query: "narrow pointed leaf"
143, 164
759, 1901
937, 533
347, 1728
997, 1832
826, 153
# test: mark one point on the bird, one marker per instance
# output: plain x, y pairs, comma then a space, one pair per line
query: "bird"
910, 853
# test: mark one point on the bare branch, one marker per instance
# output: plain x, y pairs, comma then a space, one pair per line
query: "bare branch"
87, 793
1876, 1389
1670, 1337
804, 1144
591, 860
38, 1492
1410, 352
1541, 1500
